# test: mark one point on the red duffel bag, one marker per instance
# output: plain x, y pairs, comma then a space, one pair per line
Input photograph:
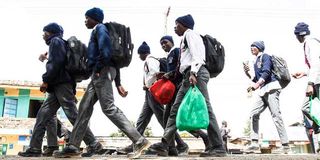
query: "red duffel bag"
163, 91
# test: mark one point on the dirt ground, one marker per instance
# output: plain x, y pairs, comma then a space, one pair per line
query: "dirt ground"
189, 157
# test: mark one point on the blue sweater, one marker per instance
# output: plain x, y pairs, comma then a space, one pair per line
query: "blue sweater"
99, 49
172, 64
55, 70
172, 60
263, 69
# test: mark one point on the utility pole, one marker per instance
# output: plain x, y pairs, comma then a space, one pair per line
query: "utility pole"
166, 21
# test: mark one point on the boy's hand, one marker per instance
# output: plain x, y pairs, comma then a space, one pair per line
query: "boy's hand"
122, 91
160, 74
298, 75
43, 57
44, 87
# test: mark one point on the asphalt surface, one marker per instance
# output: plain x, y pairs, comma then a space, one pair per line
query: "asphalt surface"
189, 157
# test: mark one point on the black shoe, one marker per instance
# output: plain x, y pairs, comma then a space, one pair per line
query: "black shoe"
68, 152
31, 152
150, 152
138, 148
49, 151
97, 149
183, 149
125, 150
173, 152
214, 153
161, 149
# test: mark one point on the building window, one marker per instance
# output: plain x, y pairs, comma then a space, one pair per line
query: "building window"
34, 107
10, 107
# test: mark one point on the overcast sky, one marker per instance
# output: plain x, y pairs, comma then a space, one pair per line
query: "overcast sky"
235, 23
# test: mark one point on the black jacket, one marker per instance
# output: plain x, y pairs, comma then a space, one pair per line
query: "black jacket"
55, 67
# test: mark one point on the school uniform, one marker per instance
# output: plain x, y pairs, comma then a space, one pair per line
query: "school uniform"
172, 64
311, 50
61, 93
100, 88
192, 59
267, 97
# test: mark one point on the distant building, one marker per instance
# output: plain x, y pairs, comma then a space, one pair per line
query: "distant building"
19, 105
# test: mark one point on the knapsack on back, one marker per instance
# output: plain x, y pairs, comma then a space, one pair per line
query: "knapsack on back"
163, 63
280, 70
121, 44
76, 64
214, 55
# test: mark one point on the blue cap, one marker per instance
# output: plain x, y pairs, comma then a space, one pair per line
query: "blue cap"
53, 28
169, 38
302, 29
186, 21
96, 14
259, 45
144, 48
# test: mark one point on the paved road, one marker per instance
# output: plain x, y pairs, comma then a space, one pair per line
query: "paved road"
190, 157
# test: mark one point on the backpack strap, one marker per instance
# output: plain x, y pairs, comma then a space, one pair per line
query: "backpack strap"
317, 40
155, 58
146, 65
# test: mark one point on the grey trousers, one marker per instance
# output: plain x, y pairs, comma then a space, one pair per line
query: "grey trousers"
149, 108
52, 132
167, 110
100, 88
55, 128
46, 118
270, 100
306, 107
214, 135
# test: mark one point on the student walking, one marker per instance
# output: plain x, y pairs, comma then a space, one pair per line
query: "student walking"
175, 76
60, 89
151, 106
191, 66
100, 88
267, 97
311, 49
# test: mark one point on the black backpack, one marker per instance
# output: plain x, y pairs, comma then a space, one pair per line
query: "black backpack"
77, 59
214, 55
121, 44
163, 63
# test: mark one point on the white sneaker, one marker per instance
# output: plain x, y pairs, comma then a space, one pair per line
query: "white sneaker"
282, 150
253, 148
